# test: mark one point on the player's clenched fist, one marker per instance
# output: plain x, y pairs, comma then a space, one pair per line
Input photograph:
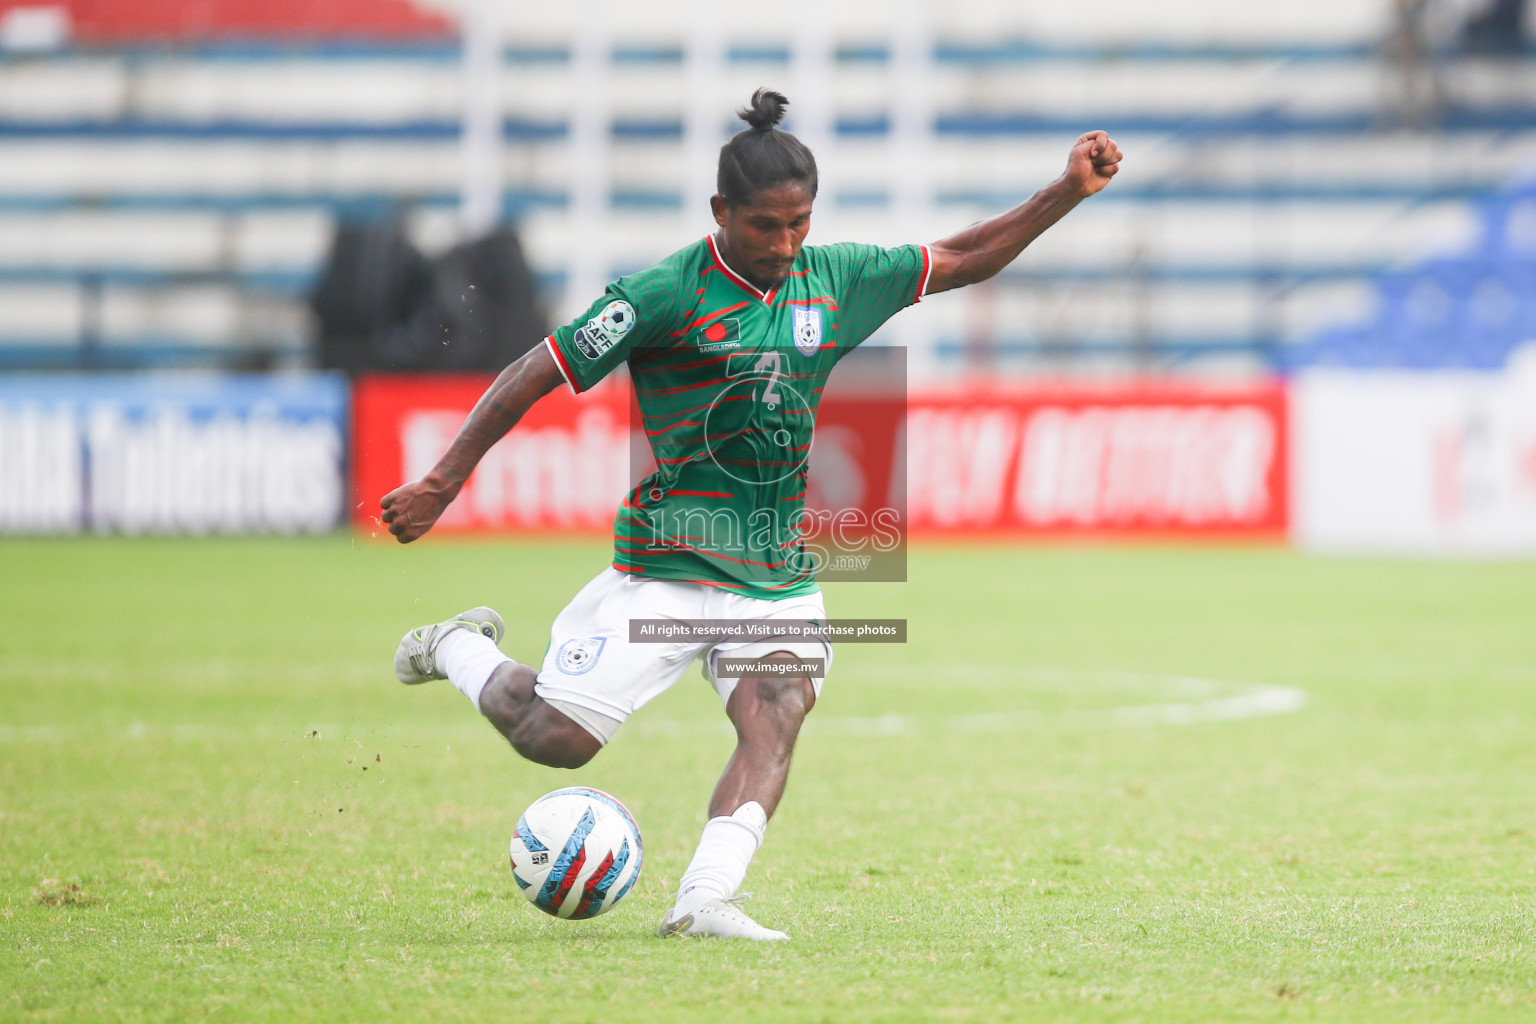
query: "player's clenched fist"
411, 510
1093, 161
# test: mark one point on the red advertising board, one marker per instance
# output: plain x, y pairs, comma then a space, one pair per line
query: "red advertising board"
1147, 460
564, 467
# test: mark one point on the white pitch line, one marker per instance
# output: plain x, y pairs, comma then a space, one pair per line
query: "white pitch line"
1205, 700
1172, 700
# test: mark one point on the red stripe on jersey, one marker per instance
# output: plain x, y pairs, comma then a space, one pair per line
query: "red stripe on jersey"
922, 284
722, 584
663, 430
828, 301
699, 408
659, 547
708, 583
560, 364
675, 367
668, 392
789, 583
664, 543
722, 462
699, 551
706, 318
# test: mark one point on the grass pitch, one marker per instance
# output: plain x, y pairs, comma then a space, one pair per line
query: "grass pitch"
216, 804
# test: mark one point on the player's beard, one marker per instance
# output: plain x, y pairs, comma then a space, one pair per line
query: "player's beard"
769, 274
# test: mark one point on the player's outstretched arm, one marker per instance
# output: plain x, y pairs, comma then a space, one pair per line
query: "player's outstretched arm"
983, 249
411, 510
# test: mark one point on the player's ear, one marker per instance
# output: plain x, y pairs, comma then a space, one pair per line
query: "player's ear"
718, 207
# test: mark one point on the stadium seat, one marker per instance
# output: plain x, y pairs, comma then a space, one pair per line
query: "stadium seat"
1464, 311
190, 146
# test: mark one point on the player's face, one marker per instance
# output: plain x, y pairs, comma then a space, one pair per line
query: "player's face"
761, 239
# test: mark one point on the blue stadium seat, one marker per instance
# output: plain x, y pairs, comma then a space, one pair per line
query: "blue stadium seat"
1465, 311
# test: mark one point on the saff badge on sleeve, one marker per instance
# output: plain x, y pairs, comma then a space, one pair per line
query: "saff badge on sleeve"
605, 330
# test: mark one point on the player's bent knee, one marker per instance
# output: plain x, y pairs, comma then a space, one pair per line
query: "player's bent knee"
507, 696
789, 694
540, 750
535, 730
544, 736
781, 698
558, 751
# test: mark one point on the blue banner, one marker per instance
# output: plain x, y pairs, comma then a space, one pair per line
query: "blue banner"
192, 454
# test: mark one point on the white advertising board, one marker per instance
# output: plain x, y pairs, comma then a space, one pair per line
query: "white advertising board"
1399, 462
193, 454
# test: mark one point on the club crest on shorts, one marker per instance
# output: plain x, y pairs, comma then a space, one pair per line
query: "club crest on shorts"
807, 329
577, 657
605, 330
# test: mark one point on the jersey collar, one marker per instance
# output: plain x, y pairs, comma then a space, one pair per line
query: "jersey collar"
740, 281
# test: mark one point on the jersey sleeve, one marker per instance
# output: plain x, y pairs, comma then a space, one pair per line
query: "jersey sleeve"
873, 283
634, 312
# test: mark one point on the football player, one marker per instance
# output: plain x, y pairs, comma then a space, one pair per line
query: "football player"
728, 343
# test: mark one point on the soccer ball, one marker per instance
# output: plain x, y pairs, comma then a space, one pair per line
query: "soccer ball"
576, 852
616, 319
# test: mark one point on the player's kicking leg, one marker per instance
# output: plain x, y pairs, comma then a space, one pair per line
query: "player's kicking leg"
767, 712
464, 651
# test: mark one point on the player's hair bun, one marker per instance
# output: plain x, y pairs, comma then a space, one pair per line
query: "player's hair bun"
762, 155
765, 111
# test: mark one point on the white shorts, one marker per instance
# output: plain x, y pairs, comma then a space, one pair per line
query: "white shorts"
592, 667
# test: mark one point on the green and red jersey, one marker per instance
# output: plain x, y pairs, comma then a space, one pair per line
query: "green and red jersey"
728, 380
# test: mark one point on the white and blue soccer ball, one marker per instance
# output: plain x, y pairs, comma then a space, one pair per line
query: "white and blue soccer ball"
576, 852
616, 319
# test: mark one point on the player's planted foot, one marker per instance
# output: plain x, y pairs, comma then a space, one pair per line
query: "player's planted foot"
721, 918
415, 658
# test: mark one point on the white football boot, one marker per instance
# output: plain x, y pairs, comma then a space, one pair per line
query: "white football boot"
415, 658
721, 918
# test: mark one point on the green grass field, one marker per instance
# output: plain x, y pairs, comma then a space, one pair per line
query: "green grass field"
216, 804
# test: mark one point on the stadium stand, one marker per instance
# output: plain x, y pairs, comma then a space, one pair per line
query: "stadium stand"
167, 194
1464, 310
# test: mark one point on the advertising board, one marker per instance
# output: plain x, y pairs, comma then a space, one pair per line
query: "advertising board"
1140, 461
165, 455
1415, 463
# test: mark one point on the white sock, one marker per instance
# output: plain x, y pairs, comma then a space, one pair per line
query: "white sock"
720, 863
468, 658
